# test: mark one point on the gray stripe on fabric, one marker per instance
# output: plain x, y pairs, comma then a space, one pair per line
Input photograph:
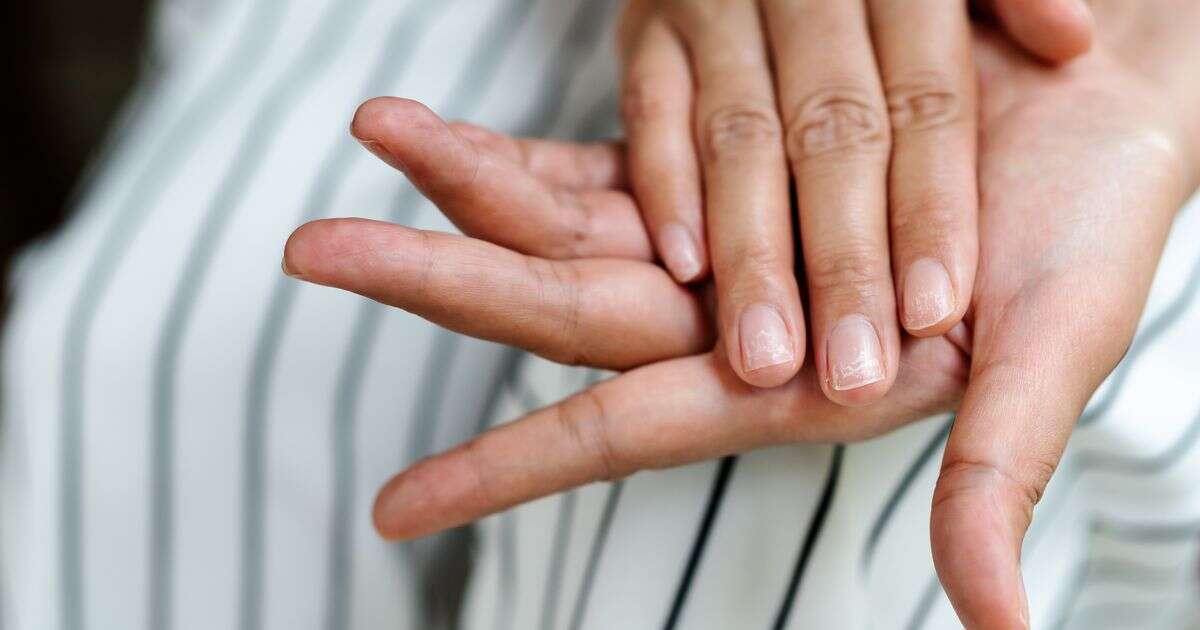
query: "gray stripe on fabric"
924, 605
893, 501
466, 97
552, 590
167, 157
330, 37
506, 611
595, 555
1117, 570
393, 62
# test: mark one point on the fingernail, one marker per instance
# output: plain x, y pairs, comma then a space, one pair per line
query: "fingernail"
288, 271
679, 251
855, 358
928, 294
764, 338
380, 151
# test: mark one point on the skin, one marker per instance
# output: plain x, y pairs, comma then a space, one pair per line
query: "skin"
1081, 172
869, 108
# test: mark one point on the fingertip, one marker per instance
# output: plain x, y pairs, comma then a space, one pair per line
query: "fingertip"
682, 253
307, 246
387, 115
856, 367
1055, 30
862, 396
381, 512
928, 302
413, 503
770, 351
977, 548
342, 252
406, 135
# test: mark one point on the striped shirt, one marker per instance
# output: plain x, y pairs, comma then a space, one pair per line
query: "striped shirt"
191, 440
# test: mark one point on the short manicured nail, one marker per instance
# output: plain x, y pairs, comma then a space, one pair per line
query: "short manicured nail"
855, 357
928, 294
679, 252
764, 338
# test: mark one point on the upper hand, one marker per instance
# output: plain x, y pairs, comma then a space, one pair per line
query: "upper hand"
871, 106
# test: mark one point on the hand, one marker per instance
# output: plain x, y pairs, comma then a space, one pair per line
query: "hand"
574, 282
719, 98
1081, 172
1080, 176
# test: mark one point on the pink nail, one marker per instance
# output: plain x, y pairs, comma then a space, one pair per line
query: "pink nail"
679, 251
764, 338
855, 357
928, 295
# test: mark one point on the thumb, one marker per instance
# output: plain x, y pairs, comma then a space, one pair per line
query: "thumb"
1054, 30
1021, 403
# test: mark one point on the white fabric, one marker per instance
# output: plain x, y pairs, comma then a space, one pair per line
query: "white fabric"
1134, 525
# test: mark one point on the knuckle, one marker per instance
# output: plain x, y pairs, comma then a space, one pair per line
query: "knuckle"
854, 271
965, 477
926, 100
836, 120
929, 216
643, 99
475, 456
576, 227
735, 130
558, 299
583, 420
749, 269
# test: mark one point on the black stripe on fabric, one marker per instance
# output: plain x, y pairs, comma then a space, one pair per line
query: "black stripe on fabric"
595, 555
934, 444
716, 497
314, 59
167, 157
393, 62
815, 525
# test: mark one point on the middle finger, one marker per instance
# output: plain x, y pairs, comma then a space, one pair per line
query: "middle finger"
838, 143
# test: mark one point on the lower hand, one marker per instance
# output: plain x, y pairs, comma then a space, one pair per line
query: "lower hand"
1080, 176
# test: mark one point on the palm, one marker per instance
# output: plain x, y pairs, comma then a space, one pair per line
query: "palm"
1078, 182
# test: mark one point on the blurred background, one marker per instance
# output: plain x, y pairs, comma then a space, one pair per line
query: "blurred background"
67, 67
